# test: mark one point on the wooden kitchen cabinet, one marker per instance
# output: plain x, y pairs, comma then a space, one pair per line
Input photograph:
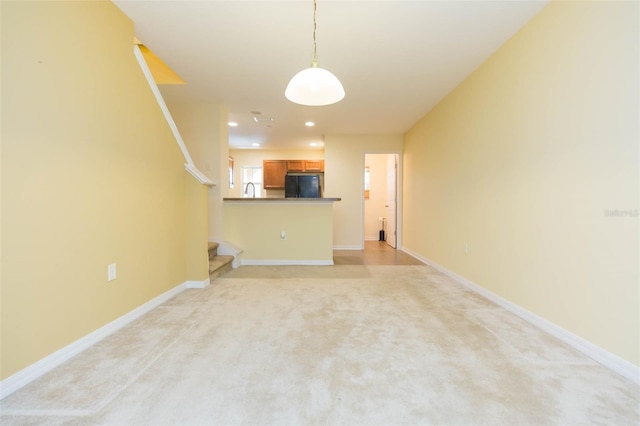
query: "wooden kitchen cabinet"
314, 165
305, 165
273, 173
295, 165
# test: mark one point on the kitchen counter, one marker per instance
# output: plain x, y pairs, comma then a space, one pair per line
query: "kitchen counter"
279, 200
281, 231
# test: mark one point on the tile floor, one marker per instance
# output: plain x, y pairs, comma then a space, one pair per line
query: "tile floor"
375, 253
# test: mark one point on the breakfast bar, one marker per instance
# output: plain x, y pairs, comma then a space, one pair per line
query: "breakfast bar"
281, 231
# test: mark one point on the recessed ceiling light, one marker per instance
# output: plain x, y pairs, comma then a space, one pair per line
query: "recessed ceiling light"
309, 124
255, 144
233, 124
313, 144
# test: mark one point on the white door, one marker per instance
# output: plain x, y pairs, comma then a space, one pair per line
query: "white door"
390, 206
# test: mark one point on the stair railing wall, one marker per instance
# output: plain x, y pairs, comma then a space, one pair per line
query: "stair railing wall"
189, 165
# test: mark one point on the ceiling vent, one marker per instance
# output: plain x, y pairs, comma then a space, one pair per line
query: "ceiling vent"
263, 121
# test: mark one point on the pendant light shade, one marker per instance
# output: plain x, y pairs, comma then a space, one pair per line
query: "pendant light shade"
314, 86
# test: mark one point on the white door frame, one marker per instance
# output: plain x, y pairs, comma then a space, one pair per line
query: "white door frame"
398, 197
392, 192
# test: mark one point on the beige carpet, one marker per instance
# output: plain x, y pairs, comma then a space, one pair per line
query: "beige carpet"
328, 345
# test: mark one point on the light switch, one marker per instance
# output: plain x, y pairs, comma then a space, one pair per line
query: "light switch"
111, 272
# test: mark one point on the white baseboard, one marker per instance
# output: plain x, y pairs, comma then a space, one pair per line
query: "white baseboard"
258, 262
598, 354
348, 247
34, 371
198, 284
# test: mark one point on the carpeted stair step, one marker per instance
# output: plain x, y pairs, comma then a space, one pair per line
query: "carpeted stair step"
213, 250
219, 265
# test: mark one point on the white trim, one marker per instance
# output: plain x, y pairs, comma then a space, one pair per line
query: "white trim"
39, 368
190, 166
259, 262
348, 247
598, 354
198, 284
161, 103
196, 173
399, 200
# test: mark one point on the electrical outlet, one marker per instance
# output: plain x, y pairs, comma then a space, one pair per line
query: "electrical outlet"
466, 248
112, 272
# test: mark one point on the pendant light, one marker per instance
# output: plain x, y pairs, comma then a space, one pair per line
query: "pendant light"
314, 86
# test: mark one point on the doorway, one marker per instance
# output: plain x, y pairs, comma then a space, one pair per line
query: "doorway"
380, 200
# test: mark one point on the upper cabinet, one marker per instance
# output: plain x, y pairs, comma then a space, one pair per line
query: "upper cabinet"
314, 165
273, 173
295, 165
305, 165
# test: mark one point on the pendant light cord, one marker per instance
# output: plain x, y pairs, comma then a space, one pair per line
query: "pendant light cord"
315, 47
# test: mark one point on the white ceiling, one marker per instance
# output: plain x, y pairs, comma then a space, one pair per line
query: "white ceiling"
396, 59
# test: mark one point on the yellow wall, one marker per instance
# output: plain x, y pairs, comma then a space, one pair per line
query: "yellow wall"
1, 236
203, 128
196, 225
91, 175
524, 159
256, 225
344, 178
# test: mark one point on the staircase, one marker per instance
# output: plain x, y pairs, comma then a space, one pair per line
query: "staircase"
218, 264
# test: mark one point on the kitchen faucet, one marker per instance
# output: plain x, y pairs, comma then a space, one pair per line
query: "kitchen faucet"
246, 190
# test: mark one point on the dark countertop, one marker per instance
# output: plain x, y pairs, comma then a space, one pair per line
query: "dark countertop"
280, 199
